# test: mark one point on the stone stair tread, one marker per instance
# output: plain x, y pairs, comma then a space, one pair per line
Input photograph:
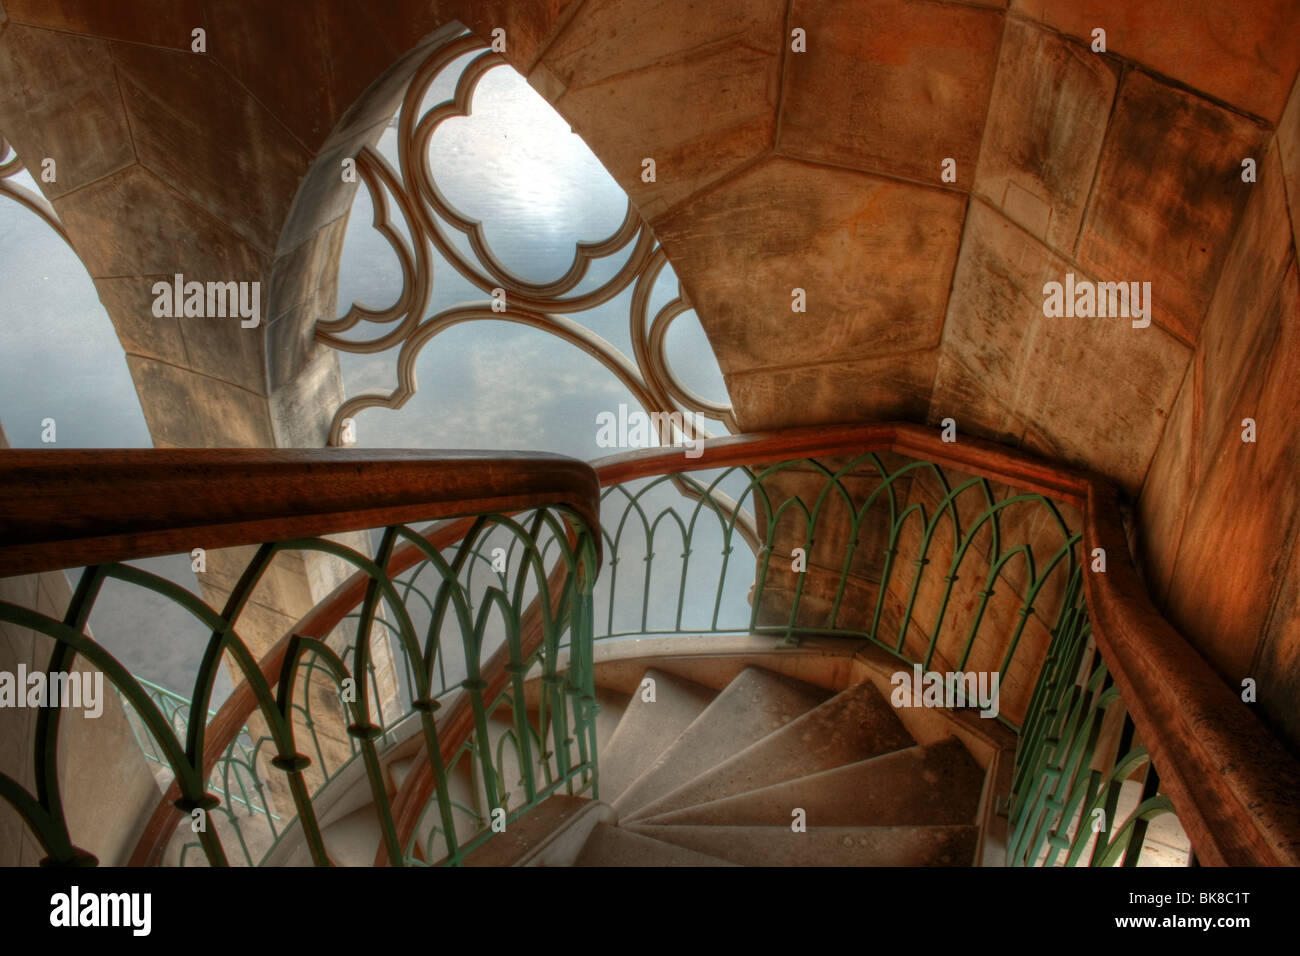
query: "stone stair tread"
854, 725
399, 770
353, 840
647, 729
612, 706
924, 785
613, 846
526, 833
753, 705
824, 846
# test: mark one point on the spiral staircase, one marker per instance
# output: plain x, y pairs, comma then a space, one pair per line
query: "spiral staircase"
563, 740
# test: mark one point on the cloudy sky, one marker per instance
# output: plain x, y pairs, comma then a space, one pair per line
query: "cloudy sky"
516, 166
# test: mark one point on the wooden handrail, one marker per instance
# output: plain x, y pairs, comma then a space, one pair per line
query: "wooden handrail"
61, 509
1231, 782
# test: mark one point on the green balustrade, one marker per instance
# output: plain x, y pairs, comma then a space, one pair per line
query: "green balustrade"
463, 622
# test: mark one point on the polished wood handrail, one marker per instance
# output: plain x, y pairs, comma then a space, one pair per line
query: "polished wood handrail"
1231, 782
61, 509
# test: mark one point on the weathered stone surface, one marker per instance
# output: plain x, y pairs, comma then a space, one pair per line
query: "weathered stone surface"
305, 64
648, 728
196, 411
529, 26
204, 134
697, 94
1242, 522
1047, 120
856, 724
890, 86
1168, 198
303, 408
1004, 363
753, 705
118, 227
881, 389
167, 23
873, 256
1249, 61
935, 784
129, 303
78, 121
1288, 144
1167, 490
1278, 669
401, 24
1233, 344
825, 846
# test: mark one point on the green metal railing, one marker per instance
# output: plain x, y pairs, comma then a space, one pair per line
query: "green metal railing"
891, 548
1077, 753
460, 622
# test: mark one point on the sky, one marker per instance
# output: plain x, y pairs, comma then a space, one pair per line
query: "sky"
515, 165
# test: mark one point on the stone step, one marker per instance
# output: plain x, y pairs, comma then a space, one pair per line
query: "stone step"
613, 846
852, 726
539, 837
353, 840
824, 846
399, 770
647, 729
612, 705
753, 705
931, 785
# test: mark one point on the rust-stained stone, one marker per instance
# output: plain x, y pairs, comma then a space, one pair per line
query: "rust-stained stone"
697, 94
1047, 120
865, 390
1288, 142
529, 26
201, 132
1168, 198
402, 24
1167, 491
1240, 527
78, 121
1234, 343
306, 63
167, 23
195, 411
1277, 672
129, 303
1004, 362
890, 86
133, 223
1246, 56
874, 257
